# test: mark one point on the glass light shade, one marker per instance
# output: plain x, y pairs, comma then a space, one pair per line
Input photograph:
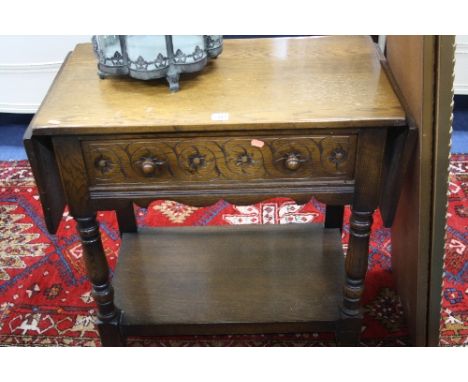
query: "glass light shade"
150, 57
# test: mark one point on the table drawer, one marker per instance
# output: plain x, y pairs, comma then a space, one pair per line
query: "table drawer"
130, 161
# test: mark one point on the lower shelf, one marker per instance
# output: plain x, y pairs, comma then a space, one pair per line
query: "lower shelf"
229, 279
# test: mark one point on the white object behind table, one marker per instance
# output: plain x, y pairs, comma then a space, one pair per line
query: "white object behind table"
461, 65
28, 65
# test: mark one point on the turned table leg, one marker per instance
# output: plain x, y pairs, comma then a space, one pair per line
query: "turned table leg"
98, 272
371, 148
356, 266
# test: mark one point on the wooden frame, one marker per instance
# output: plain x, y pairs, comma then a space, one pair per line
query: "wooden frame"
422, 67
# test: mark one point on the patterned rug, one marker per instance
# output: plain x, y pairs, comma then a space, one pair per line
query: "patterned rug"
45, 297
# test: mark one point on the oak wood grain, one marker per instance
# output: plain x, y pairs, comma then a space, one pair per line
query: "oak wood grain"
280, 83
43, 163
411, 60
238, 275
205, 159
321, 109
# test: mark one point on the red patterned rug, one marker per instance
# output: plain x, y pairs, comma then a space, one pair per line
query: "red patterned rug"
45, 297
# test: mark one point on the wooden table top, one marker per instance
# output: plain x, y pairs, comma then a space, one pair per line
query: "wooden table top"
313, 82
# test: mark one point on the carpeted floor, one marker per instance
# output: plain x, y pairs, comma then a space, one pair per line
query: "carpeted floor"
45, 298
12, 128
460, 125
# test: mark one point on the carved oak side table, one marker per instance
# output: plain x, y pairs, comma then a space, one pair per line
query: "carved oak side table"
293, 117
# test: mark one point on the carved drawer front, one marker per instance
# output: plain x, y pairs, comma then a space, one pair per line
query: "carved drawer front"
219, 159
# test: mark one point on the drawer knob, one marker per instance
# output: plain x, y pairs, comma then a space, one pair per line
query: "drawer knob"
196, 161
149, 165
339, 155
102, 163
293, 161
244, 160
